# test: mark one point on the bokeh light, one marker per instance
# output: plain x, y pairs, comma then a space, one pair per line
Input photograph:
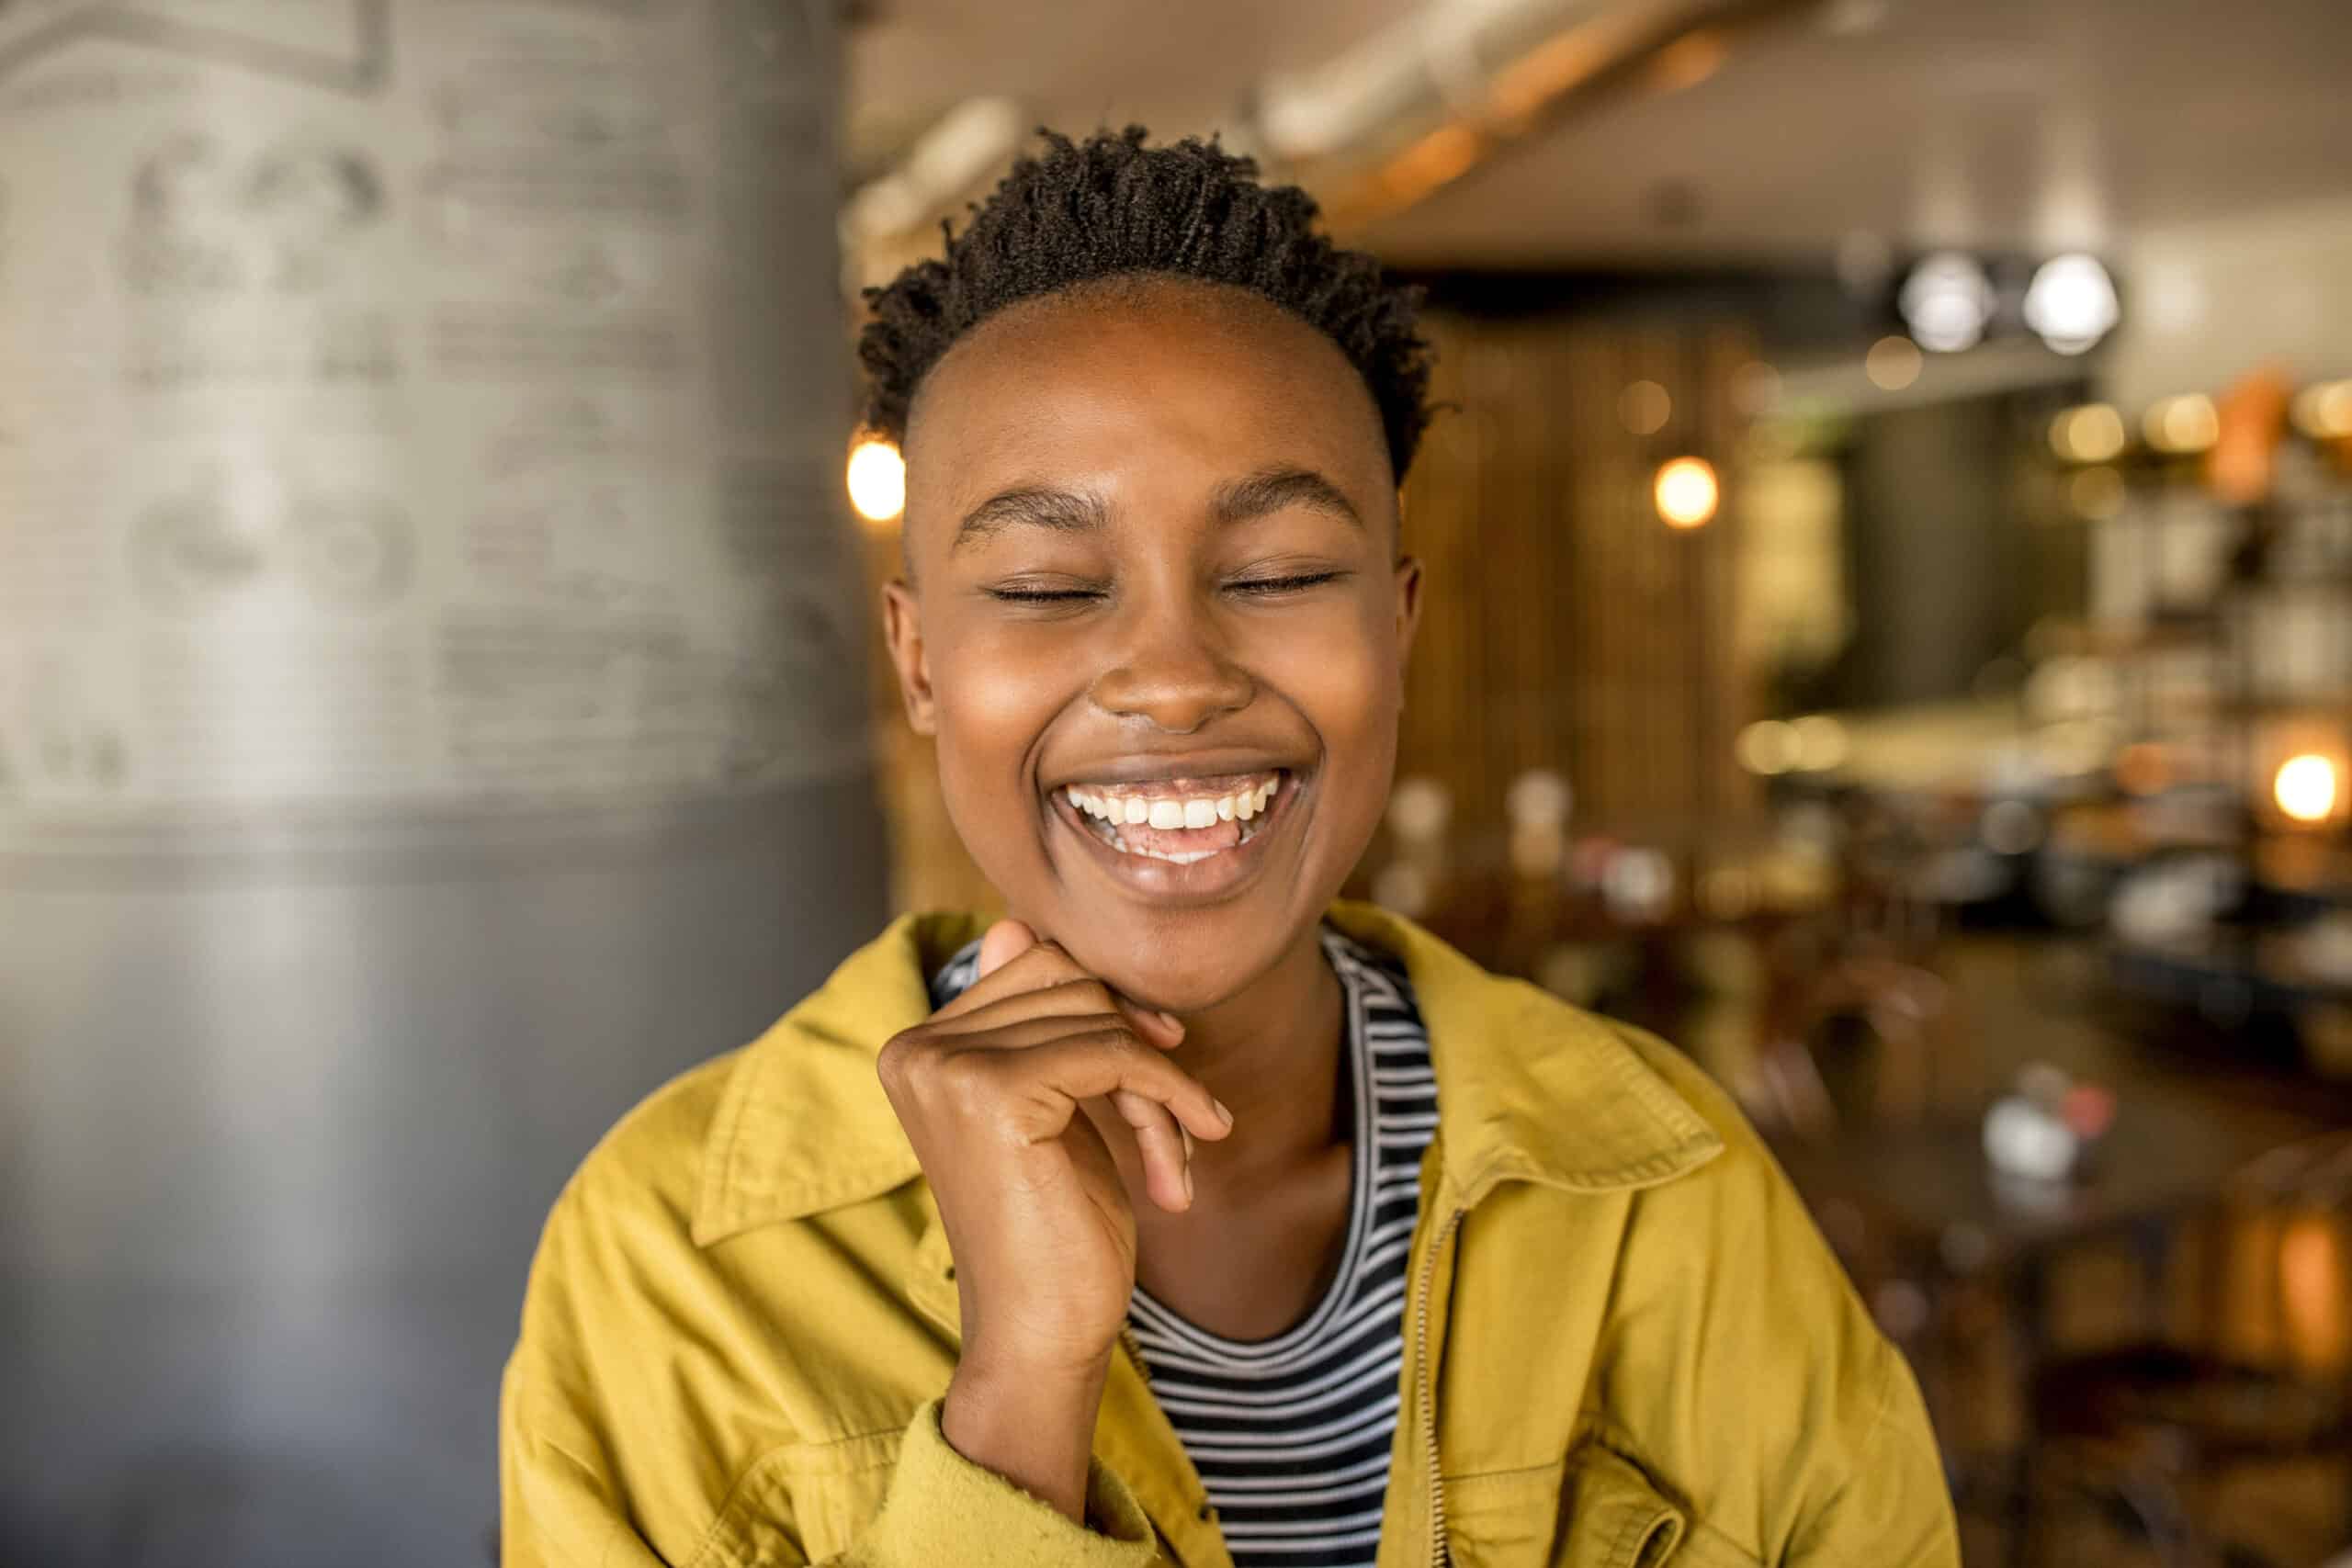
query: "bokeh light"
1892, 363
2305, 787
878, 480
1687, 492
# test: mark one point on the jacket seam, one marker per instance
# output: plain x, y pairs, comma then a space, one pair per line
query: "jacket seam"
1606, 1434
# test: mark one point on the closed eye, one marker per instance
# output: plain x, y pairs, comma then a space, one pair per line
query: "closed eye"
1041, 595
1271, 586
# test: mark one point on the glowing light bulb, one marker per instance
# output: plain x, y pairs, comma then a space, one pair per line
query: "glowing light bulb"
2071, 303
1687, 492
878, 480
1946, 301
2305, 787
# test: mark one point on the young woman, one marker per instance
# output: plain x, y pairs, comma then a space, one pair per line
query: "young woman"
1187, 1215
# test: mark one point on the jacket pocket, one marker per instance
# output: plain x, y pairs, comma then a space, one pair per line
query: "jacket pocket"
1502, 1518
1614, 1516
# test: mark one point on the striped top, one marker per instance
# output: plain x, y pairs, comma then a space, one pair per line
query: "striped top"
1291, 1435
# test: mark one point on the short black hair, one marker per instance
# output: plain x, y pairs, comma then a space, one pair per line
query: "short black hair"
1107, 207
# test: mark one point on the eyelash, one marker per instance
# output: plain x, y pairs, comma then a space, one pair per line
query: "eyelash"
1267, 586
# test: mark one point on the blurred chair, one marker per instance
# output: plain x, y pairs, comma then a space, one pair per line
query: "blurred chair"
2141, 1429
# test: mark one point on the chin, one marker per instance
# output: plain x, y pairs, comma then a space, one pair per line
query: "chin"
1187, 962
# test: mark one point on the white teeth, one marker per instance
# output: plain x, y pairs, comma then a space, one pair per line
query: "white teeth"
1167, 815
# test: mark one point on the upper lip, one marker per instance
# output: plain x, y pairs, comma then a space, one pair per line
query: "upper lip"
1161, 767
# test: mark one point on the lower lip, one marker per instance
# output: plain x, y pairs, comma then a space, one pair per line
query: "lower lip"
1202, 880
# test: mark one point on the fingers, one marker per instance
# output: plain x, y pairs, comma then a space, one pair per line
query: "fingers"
1092, 1063
1166, 1148
1030, 1092
1013, 962
1003, 942
1082, 996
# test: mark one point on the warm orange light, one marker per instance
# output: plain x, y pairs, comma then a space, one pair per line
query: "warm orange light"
1445, 154
1687, 492
1689, 61
878, 480
1552, 69
2313, 1274
2305, 787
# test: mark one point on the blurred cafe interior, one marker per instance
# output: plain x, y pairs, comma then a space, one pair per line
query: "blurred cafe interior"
1888, 630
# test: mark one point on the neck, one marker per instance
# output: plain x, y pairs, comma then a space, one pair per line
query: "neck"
1272, 1054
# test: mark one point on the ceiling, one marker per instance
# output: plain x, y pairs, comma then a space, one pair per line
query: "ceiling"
2015, 125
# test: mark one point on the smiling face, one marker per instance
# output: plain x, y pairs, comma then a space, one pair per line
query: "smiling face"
1151, 531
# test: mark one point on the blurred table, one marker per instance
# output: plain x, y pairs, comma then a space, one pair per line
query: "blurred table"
1916, 1211
1928, 1190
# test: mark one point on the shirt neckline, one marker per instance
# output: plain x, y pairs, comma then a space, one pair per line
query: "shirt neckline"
1362, 1173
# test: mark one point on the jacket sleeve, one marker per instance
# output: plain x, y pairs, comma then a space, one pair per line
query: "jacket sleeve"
560, 1509
1893, 1508
600, 1466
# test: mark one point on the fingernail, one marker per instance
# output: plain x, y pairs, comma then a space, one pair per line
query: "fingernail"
1221, 1110
1171, 1020
1188, 1183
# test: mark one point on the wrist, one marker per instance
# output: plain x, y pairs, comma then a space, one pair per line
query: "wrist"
1034, 1426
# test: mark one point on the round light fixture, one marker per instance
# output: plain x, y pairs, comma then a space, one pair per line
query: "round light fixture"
1946, 301
2070, 302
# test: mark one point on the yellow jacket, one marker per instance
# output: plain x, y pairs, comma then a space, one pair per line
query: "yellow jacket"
1634, 1346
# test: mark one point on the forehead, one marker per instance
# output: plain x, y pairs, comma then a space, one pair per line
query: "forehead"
1137, 381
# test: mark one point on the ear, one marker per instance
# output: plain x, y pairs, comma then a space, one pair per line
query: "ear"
902, 626
1408, 606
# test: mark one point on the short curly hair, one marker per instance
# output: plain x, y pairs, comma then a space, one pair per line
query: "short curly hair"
1109, 206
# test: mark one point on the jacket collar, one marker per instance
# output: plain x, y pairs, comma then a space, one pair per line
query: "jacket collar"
1529, 1088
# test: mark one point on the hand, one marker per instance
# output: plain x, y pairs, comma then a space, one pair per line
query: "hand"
990, 1090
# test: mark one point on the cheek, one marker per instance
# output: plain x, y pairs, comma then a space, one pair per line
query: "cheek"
995, 696
1341, 671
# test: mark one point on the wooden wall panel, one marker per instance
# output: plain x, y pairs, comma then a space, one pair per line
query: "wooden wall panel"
1566, 627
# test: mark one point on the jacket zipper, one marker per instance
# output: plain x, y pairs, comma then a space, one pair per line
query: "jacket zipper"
1441, 1554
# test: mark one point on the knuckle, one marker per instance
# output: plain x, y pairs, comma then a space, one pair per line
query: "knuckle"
965, 1081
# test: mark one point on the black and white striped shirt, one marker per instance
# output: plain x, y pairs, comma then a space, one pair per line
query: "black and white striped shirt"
1292, 1434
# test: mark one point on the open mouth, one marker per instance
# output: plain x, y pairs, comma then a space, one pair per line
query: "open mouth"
1184, 821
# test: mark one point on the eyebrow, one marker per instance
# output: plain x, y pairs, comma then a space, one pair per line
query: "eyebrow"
1077, 511
1271, 490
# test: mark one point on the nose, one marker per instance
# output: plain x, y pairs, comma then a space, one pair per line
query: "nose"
1172, 673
